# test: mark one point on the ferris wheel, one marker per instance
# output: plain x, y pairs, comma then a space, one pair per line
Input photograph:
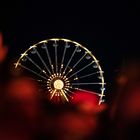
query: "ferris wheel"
61, 67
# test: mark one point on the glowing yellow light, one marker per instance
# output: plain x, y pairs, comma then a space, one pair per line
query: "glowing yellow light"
58, 84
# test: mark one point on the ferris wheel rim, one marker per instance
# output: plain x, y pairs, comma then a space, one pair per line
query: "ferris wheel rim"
79, 45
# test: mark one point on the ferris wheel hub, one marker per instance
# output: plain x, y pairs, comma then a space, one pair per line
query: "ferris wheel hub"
58, 84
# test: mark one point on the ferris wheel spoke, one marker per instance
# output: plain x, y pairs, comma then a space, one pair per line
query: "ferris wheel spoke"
79, 61
98, 94
84, 76
49, 58
76, 63
79, 89
56, 63
73, 88
94, 83
32, 71
70, 59
43, 61
37, 65
61, 66
82, 69
64, 95
87, 91
66, 92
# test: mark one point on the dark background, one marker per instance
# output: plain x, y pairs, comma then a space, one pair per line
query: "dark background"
110, 29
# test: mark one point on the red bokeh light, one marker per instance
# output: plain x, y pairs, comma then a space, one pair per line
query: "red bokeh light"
3, 49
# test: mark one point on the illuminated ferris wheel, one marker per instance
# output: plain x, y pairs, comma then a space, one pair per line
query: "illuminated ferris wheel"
61, 67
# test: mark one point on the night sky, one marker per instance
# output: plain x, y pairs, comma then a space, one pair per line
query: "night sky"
110, 29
